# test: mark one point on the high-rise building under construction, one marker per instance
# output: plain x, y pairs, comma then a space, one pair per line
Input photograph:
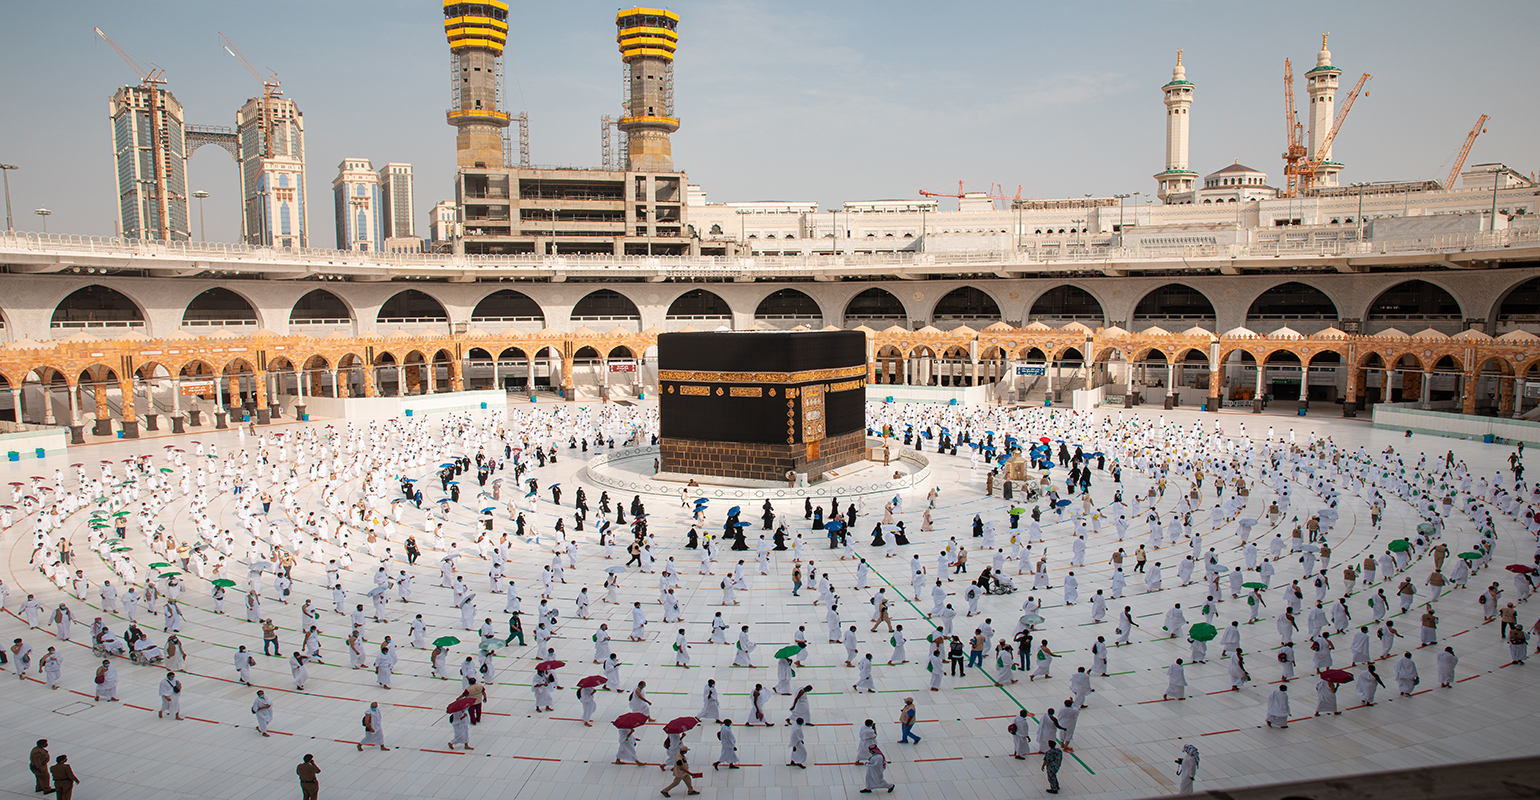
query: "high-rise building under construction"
632, 205
149, 150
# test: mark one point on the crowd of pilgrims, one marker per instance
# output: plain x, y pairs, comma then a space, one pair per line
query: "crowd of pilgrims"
364, 492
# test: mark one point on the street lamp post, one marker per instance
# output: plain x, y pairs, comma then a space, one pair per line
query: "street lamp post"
1121, 198
202, 231
1361, 185
43, 212
5, 171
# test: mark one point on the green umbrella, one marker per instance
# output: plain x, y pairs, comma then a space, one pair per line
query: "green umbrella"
1426, 527
120, 513
1255, 585
1400, 546
166, 469
169, 573
1018, 510
1202, 632
445, 641
121, 548
788, 651
225, 582
158, 564
1470, 556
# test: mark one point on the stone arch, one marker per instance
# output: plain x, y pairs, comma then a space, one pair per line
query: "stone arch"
1517, 309
411, 306
507, 305
1291, 301
620, 351
220, 307
966, 304
875, 304
789, 307
1414, 300
1175, 302
699, 305
97, 306
603, 305
1067, 302
322, 309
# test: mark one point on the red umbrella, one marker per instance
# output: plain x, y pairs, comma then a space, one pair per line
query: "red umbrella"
592, 681
545, 666
1336, 676
635, 719
1044, 439
77, 465
460, 704
1522, 569
680, 724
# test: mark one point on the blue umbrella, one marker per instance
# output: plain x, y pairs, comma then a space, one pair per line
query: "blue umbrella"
444, 500
1062, 503
740, 524
553, 486
1097, 454
488, 509
454, 483
829, 526
408, 480
732, 511
446, 464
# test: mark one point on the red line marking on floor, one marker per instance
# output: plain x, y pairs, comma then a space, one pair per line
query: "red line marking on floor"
280, 733
1471, 678
951, 758
343, 741
1424, 691
835, 764
1301, 719
200, 719
141, 708
1221, 691
451, 752
1002, 716
532, 758
404, 705
1216, 733
1147, 702
1467, 630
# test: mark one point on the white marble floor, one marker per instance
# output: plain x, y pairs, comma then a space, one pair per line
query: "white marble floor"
1125, 745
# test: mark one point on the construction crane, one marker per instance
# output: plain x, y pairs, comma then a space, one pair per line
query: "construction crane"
148, 78
1307, 170
1465, 151
959, 195
271, 89
1295, 152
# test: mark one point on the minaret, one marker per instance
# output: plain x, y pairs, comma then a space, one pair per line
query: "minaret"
648, 38
1176, 178
1321, 84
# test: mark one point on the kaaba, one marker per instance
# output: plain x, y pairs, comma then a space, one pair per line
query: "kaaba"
755, 404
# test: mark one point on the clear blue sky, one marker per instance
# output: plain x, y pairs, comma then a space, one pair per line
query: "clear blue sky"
780, 100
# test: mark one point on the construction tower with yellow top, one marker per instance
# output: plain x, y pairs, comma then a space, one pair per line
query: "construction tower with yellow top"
477, 33
647, 38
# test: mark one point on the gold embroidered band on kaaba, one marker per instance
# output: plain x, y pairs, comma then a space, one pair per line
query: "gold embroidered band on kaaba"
805, 376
